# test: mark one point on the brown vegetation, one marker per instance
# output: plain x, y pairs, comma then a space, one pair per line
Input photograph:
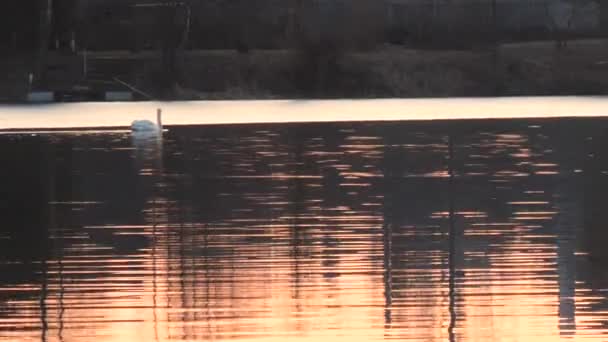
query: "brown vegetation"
523, 69
534, 68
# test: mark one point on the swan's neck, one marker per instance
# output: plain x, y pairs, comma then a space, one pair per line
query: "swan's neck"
159, 120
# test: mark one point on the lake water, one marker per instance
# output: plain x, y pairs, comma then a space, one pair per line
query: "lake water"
437, 231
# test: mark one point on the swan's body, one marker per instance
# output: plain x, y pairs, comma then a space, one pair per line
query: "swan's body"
147, 125
144, 126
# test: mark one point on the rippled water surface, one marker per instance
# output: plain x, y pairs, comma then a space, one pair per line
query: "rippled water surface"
461, 231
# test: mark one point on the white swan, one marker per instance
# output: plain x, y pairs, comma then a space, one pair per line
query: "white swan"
143, 126
147, 125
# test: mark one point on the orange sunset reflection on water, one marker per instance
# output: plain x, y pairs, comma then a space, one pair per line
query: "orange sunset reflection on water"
341, 232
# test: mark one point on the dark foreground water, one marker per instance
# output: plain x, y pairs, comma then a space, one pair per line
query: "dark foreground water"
468, 231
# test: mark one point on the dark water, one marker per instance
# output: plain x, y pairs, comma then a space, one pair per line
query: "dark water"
470, 231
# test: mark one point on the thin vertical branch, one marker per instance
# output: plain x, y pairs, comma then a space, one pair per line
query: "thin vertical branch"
46, 15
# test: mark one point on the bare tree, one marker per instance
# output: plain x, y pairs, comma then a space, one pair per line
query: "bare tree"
292, 29
562, 15
496, 46
604, 15
175, 19
46, 15
324, 31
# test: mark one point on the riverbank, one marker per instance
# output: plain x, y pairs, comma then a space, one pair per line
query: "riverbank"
535, 68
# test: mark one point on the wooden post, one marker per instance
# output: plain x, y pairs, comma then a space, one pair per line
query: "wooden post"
73, 41
84, 64
14, 41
